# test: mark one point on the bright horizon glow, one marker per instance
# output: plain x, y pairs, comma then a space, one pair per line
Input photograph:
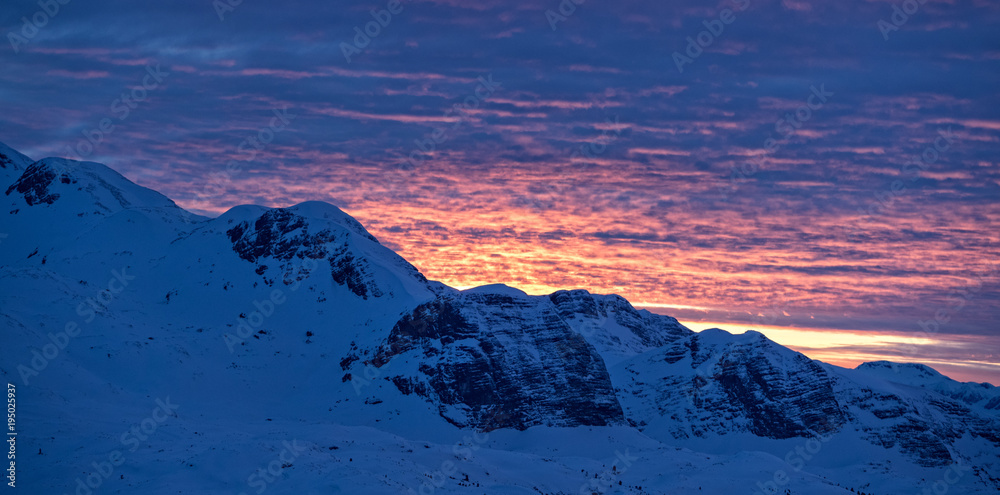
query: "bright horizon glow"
669, 306
845, 347
850, 348
813, 337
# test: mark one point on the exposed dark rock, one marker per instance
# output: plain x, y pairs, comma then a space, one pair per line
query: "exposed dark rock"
283, 236
494, 361
346, 270
34, 185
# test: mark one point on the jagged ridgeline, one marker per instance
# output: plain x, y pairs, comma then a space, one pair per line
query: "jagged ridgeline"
270, 325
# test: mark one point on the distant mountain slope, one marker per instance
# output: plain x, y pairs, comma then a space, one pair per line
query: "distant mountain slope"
12, 164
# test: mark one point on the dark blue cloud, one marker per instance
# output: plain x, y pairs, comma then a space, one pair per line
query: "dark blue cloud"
670, 181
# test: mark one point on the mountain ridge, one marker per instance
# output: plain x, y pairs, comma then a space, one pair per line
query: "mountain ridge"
363, 337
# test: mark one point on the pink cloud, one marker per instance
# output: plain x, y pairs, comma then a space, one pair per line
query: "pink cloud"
90, 74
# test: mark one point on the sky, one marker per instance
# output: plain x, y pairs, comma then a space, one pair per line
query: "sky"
825, 172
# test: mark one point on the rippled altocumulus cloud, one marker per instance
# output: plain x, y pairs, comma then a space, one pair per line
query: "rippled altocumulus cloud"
595, 163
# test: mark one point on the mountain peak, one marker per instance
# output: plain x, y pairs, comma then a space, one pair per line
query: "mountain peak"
912, 369
327, 211
12, 163
284, 237
498, 289
93, 187
715, 335
11, 159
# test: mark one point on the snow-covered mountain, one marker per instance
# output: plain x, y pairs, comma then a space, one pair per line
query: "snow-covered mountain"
286, 349
12, 163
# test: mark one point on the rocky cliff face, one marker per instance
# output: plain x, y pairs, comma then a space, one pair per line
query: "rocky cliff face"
613, 326
543, 360
714, 383
928, 426
278, 240
498, 360
33, 185
573, 358
92, 188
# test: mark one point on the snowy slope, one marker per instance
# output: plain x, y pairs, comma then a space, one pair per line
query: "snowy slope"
271, 326
721, 393
12, 164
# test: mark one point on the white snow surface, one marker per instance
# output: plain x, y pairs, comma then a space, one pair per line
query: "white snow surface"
154, 298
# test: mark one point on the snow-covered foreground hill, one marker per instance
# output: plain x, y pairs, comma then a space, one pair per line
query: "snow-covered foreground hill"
287, 351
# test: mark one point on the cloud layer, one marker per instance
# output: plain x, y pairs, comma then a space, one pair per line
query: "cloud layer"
807, 160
